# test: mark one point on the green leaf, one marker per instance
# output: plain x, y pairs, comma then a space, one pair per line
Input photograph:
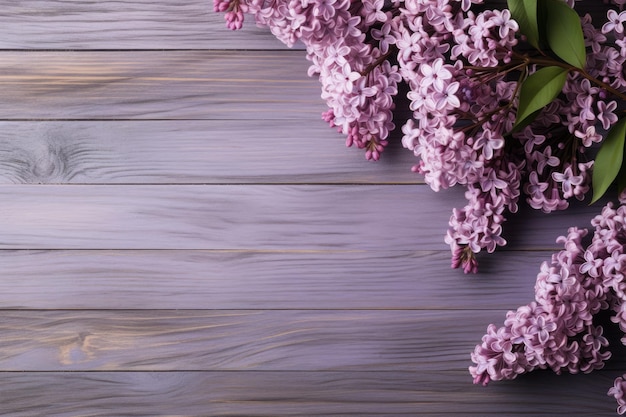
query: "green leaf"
608, 160
537, 91
564, 33
524, 12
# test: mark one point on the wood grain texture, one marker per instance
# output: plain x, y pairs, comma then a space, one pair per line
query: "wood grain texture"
125, 24
139, 24
262, 280
205, 246
234, 85
186, 151
239, 340
312, 394
280, 340
276, 217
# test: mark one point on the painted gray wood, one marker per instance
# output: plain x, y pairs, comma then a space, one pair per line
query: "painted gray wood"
277, 217
233, 85
323, 394
189, 151
125, 24
262, 280
138, 24
205, 236
237, 340
288, 340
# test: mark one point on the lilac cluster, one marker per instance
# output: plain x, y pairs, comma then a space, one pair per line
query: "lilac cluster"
348, 50
463, 71
556, 331
459, 119
547, 160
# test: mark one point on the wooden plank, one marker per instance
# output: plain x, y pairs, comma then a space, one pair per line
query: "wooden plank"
158, 85
276, 217
220, 217
140, 24
125, 24
261, 280
186, 151
279, 340
288, 340
236, 340
308, 394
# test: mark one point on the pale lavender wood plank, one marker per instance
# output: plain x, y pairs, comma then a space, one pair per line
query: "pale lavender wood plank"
236, 340
125, 24
234, 85
220, 217
184, 151
327, 217
261, 280
311, 394
138, 24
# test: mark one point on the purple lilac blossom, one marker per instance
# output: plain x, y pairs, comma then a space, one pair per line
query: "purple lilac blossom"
556, 330
462, 76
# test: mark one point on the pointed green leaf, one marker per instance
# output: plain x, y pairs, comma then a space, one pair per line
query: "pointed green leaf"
564, 33
537, 91
608, 160
524, 12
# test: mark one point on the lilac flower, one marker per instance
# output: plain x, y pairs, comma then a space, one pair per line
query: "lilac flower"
606, 115
502, 20
615, 22
436, 74
619, 392
592, 265
568, 181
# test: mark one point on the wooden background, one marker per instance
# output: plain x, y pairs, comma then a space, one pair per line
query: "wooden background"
181, 235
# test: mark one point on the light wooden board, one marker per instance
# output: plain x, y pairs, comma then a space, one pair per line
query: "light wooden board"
288, 340
340, 217
280, 340
125, 24
190, 151
140, 24
205, 245
234, 85
311, 394
262, 280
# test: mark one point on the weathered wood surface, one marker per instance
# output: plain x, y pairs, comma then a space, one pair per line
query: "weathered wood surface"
143, 279
125, 24
239, 340
266, 217
191, 152
139, 24
205, 340
174, 210
233, 85
311, 394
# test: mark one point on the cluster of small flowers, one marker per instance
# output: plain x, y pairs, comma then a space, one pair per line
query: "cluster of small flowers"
556, 172
553, 166
556, 331
347, 51
459, 121
462, 74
